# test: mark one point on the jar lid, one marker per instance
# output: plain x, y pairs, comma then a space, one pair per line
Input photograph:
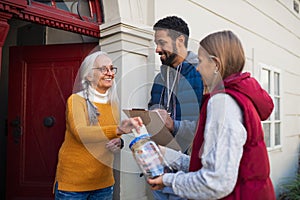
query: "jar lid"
135, 140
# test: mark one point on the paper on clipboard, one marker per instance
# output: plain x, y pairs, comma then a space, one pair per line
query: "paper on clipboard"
155, 126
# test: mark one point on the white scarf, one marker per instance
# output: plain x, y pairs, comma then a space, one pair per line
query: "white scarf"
95, 96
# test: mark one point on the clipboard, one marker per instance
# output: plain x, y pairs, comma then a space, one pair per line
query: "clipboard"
155, 126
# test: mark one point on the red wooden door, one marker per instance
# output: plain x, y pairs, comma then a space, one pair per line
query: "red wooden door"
40, 80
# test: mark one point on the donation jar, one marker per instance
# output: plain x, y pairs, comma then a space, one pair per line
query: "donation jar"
148, 155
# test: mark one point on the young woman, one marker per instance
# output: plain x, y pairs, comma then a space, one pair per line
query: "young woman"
229, 158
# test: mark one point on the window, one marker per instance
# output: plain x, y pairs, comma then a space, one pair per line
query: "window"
270, 81
87, 10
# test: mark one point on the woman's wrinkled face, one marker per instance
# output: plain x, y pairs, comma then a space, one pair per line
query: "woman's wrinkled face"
103, 73
207, 67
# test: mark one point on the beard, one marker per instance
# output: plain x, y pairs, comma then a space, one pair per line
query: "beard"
169, 57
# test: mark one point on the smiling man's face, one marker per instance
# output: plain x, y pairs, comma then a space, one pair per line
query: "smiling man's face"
165, 47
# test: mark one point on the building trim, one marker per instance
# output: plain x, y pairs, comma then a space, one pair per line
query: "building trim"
49, 16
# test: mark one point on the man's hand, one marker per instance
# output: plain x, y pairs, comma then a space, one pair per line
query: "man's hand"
169, 123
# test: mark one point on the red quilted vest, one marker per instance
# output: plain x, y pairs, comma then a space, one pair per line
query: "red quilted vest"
253, 181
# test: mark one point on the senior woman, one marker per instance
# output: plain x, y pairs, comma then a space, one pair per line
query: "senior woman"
92, 136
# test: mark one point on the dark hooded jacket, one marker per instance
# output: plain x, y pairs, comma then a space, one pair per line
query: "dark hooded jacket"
185, 100
254, 171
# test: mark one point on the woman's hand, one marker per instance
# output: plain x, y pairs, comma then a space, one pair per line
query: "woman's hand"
114, 145
156, 183
128, 124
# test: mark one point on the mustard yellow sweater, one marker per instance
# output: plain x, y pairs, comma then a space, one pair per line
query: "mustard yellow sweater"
84, 163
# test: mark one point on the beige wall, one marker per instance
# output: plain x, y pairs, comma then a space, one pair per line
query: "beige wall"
269, 31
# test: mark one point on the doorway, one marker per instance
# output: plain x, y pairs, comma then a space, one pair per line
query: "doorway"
40, 80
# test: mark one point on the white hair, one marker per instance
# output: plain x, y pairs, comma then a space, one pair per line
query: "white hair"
82, 84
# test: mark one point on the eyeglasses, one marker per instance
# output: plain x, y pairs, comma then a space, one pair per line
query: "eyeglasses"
105, 69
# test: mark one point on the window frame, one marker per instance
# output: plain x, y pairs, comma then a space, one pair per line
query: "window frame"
271, 120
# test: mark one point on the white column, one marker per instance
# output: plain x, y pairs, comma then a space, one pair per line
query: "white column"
127, 38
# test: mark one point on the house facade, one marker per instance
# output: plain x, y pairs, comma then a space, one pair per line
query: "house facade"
43, 43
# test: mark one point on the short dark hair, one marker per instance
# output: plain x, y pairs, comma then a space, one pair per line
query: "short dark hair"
175, 25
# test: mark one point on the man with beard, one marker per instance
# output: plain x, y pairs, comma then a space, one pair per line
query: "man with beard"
177, 90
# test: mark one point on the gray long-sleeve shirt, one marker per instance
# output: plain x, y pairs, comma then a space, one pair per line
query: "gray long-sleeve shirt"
224, 137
